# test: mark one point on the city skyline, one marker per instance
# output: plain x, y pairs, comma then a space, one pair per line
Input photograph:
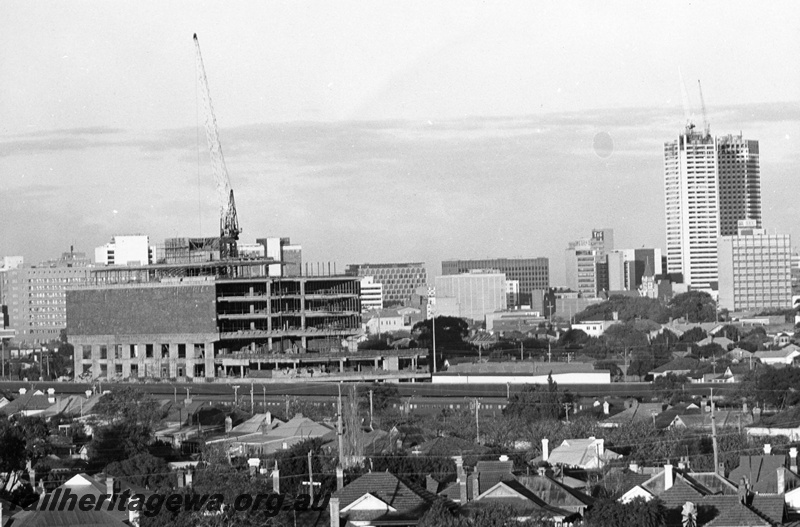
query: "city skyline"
423, 148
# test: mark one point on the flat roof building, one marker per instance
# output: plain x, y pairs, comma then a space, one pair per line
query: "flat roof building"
476, 293
399, 280
531, 273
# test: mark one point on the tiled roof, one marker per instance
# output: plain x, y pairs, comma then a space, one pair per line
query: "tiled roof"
760, 471
554, 493
737, 515
450, 446
771, 507
403, 496
682, 364
489, 473
526, 503
680, 492
638, 412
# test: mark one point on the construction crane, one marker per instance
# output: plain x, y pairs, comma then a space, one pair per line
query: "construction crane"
687, 113
228, 222
706, 126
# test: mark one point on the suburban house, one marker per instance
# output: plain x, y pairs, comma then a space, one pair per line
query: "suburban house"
781, 357
587, 454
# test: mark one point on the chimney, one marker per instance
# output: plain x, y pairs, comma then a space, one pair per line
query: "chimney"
605, 407
268, 418
431, 485
340, 478
541, 471
461, 479
188, 479
767, 449
634, 467
668, 476
276, 479
228, 424
793, 459
781, 480
110, 486
545, 450
503, 458
333, 507
180, 475
756, 414
476, 485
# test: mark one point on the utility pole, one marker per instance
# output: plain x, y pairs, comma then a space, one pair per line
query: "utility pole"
235, 395
264, 395
549, 351
339, 431
175, 394
521, 352
370, 411
477, 422
508, 391
714, 434
566, 407
311, 483
252, 403
433, 325
287, 406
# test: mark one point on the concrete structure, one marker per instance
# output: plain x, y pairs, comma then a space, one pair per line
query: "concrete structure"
587, 267
125, 250
755, 269
36, 296
522, 320
626, 267
400, 280
691, 185
477, 293
224, 320
371, 294
11, 262
531, 273
282, 250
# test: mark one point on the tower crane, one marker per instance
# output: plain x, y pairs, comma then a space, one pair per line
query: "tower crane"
228, 222
687, 113
706, 126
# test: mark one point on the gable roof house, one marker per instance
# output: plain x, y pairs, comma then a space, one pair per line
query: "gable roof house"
680, 366
768, 475
780, 357
634, 412
379, 498
587, 454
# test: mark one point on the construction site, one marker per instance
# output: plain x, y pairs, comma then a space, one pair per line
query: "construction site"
206, 312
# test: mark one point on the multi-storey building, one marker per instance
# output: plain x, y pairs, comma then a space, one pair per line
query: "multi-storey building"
36, 296
755, 269
475, 293
739, 183
587, 270
531, 273
399, 280
125, 250
371, 294
710, 184
626, 267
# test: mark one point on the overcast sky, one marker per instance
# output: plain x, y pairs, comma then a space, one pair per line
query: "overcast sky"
381, 131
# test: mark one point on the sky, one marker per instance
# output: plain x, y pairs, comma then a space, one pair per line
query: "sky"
381, 131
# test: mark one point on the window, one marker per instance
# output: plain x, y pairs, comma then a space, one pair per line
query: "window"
165, 351
118, 369
199, 351
134, 370
87, 351
118, 351
103, 351
133, 351
148, 351
181, 351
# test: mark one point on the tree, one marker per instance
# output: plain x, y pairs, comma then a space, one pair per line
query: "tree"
620, 336
450, 333
670, 387
611, 513
694, 306
440, 515
535, 402
144, 470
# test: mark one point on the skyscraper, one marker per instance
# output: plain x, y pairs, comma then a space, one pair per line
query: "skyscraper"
710, 184
739, 183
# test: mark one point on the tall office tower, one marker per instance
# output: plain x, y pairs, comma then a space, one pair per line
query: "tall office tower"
691, 186
739, 183
400, 280
475, 294
532, 273
755, 269
587, 263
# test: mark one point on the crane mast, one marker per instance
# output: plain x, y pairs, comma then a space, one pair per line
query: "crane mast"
228, 222
706, 126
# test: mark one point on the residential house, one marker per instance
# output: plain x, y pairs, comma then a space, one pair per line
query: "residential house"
680, 366
265, 438
586, 454
634, 412
781, 357
768, 474
378, 499
724, 342
30, 403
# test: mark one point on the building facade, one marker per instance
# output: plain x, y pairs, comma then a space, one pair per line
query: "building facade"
587, 266
476, 293
399, 280
125, 250
531, 273
282, 250
626, 267
755, 269
36, 296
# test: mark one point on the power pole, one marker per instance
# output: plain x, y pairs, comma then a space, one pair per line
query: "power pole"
252, 403
339, 431
566, 408
287, 407
235, 395
433, 325
370, 410
508, 391
264, 395
311, 483
549, 351
477, 422
714, 434
521, 352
